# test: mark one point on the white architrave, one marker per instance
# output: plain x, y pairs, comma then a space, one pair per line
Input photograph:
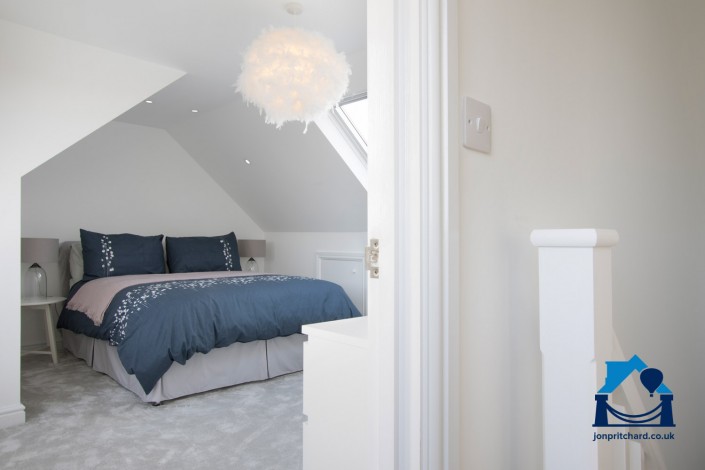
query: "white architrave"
412, 81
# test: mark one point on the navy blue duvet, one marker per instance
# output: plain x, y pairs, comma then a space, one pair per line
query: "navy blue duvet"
155, 324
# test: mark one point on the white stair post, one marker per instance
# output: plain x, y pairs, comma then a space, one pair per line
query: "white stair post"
575, 302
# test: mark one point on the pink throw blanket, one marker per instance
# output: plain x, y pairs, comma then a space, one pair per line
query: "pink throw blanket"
94, 297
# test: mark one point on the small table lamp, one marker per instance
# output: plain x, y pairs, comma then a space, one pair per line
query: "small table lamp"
35, 251
252, 249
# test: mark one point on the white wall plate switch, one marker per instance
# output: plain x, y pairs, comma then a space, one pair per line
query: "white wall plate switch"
477, 134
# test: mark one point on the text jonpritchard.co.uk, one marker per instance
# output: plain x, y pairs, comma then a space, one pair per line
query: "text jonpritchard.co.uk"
612, 436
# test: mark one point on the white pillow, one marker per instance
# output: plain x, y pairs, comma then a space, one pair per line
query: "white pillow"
75, 263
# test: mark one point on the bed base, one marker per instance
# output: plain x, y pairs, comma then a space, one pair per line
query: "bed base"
221, 367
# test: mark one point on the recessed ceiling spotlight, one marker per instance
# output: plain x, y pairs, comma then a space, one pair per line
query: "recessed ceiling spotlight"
194, 110
248, 162
148, 101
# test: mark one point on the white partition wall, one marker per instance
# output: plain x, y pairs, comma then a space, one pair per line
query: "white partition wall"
575, 303
54, 92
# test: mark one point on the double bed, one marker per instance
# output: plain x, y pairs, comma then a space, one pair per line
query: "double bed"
164, 335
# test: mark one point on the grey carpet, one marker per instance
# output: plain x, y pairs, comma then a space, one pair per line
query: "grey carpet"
77, 418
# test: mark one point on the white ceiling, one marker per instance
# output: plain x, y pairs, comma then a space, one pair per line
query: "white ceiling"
205, 38
294, 183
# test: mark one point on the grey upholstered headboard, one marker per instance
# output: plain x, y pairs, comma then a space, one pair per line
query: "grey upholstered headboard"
64, 269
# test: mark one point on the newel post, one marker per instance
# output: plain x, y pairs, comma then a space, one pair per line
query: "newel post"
575, 303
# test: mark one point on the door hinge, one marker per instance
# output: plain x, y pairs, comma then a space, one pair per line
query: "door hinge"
372, 258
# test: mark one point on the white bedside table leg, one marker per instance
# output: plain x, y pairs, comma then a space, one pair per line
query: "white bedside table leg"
50, 334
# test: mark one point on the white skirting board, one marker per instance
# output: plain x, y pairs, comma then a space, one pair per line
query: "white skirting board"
221, 367
12, 415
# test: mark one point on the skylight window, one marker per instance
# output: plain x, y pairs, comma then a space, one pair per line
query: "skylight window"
345, 126
351, 113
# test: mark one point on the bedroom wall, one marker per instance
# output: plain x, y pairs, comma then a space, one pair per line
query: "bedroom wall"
597, 112
128, 178
295, 252
124, 178
54, 92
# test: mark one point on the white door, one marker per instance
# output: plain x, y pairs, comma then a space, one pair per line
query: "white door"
412, 210
381, 216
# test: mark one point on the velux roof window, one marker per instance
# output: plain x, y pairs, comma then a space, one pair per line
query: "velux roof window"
351, 114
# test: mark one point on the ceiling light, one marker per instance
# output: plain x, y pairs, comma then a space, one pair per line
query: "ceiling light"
293, 75
247, 161
194, 110
148, 101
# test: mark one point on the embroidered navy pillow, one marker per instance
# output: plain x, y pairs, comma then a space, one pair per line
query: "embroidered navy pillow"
198, 254
121, 254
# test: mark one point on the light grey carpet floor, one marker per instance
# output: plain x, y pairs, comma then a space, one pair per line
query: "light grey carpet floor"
77, 418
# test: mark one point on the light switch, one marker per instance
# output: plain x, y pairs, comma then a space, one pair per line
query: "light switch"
477, 127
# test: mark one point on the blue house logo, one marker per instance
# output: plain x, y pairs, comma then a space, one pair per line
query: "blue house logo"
651, 379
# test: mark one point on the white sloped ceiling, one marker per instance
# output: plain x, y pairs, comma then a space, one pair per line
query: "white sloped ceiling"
295, 182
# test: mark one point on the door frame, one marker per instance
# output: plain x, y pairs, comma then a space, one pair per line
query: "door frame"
414, 305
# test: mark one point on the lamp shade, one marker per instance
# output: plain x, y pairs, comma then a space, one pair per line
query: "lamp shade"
40, 250
252, 248
293, 75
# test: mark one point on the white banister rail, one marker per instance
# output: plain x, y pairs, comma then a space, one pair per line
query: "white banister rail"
637, 450
577, 338
575, 303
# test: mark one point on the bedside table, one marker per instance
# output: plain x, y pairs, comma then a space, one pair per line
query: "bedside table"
44, 304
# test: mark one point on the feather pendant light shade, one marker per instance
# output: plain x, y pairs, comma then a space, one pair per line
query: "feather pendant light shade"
293, 75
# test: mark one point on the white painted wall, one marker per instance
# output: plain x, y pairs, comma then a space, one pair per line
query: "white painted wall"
295, 252
40, 114
53, 92
597, 122
697, 120
128, 178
